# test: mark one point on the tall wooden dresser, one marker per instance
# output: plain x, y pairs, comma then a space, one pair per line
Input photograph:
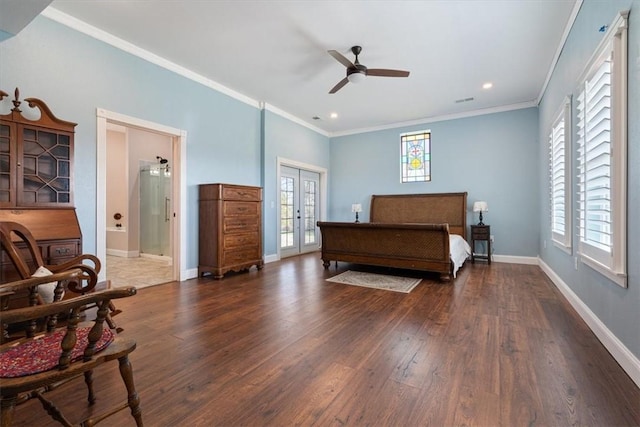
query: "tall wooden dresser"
36, 180
230, 228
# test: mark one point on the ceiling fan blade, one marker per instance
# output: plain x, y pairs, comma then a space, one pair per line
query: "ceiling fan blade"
381, 72
341, 59
339, 86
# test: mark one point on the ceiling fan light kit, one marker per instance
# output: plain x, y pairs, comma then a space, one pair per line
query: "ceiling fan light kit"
356, 76
357, 72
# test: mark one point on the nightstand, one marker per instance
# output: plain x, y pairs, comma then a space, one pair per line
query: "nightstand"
480, 233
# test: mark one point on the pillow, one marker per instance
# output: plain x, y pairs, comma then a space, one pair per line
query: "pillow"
46, 289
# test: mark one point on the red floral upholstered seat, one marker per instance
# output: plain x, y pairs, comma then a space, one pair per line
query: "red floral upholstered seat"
43, 353
33, 364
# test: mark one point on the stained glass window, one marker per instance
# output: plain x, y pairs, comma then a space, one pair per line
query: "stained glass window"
415, 156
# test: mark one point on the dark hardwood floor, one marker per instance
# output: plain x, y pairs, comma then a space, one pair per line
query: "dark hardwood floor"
499, 346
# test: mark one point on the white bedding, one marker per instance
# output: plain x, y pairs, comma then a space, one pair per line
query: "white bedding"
460, 251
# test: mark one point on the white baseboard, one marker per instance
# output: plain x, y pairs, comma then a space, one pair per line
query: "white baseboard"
627, 360
510, 259
191, 273
123, 254
271, 258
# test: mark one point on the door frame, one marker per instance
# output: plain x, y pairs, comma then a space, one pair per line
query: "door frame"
179, 204
281, 161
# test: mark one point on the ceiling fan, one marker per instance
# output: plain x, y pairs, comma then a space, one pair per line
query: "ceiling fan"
357, 72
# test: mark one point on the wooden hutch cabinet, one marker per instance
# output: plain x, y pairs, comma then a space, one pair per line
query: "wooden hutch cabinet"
230, 228
36, 180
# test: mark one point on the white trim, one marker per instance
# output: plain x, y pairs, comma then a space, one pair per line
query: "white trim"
619, 279
191, 273
98, 34
294, 119
619, 23
101, 35
442, 118
563, 40
324, 179
512, 259
271, 258
627, 360
563, 241
611, 263
179, 143
123, 254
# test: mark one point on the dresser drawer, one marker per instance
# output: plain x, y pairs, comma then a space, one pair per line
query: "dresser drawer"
62, 250
240, 240
480, 233
24, 253
241, 255
230, 192
241, 208
241, 224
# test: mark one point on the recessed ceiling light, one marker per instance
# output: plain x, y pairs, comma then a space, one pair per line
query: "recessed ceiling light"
334, 115
487, 85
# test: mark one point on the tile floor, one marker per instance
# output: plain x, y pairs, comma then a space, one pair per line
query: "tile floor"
139, 272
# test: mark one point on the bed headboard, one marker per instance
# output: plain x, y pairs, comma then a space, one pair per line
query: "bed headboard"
437, 208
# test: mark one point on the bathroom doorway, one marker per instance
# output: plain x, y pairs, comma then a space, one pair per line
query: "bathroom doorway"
139, 207
160, 150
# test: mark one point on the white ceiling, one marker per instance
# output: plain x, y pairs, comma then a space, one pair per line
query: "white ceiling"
276, 51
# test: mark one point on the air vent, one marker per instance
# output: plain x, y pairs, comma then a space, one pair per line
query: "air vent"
459, 101
315, 118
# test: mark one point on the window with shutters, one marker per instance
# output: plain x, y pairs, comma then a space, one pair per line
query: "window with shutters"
602, 156
560, 178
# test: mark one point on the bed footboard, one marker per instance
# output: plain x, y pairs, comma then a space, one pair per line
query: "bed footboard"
422, 247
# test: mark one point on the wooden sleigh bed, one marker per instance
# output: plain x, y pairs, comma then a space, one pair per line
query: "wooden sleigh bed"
413, 231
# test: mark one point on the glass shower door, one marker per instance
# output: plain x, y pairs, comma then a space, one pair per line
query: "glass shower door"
155, 210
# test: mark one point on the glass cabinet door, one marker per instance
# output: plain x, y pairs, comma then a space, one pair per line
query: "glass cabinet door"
44, 168
7, 165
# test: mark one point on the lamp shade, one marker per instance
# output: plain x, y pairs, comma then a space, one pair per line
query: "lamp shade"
356, 207
480, 207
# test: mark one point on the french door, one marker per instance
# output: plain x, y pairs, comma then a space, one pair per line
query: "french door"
299, 211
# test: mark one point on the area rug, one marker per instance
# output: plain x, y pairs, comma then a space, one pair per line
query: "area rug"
376, 281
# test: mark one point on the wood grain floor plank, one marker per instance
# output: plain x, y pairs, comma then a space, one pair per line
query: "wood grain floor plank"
497, 346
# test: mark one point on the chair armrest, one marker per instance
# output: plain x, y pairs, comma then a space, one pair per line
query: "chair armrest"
89, 273
79, 260
35, 281
38, 311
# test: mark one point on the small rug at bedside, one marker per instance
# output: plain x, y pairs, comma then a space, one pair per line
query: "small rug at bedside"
377, 281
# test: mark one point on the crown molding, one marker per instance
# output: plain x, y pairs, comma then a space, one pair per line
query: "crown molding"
98, 34
434, 119
563, 40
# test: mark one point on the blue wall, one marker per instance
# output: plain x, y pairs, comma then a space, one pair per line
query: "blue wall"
500, 157
75, 74
291, 141
492, 157
616, 307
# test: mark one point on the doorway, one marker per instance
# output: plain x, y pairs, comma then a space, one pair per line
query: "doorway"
174, 208
299, 211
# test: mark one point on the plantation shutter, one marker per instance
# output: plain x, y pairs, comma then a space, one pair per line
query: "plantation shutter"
594, 161
558, 174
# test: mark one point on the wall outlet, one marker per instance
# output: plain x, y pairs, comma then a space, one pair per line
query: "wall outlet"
544, 243
491, 238
575, 262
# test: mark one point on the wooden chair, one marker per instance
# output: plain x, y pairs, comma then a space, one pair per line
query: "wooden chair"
28, 260
32, 366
